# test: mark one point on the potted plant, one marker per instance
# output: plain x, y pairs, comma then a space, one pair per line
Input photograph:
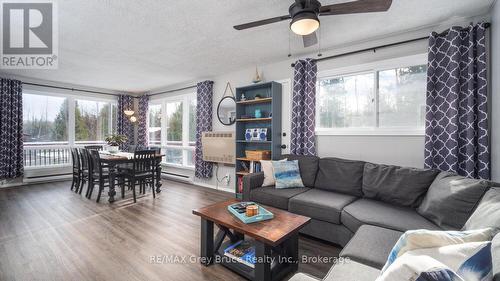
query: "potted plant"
114, 142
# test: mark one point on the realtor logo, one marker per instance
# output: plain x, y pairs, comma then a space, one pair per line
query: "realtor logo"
29, 35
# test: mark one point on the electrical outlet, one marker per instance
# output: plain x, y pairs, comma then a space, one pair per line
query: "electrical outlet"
227, 179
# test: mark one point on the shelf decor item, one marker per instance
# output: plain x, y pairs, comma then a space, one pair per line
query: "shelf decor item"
256, 134
256, 78
114, 142
258, 113
256, 155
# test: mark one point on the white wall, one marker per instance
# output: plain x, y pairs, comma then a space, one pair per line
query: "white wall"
397, 150
495, 92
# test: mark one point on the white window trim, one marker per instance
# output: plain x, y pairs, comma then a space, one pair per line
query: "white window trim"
373, 67
185, 147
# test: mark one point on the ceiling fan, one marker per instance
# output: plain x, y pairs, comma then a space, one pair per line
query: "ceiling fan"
304, 15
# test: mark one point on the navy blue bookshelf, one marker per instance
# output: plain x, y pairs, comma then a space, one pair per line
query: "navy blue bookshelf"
265, 97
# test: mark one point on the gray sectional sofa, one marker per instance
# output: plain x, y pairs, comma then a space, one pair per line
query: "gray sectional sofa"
365, 207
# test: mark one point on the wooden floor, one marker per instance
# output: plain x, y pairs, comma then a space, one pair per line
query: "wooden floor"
47, 232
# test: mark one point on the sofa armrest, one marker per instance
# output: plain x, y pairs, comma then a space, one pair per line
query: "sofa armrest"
250, 182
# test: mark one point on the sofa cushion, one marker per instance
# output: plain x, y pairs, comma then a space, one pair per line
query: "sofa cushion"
274, 197
308, 167
396, 185
487, 214
367, 211
303, 277
371, 245
495, 255
352, 271
451, 199
320, 204
340, 175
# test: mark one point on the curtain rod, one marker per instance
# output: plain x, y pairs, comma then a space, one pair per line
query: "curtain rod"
71, 89
374, 49
174, 90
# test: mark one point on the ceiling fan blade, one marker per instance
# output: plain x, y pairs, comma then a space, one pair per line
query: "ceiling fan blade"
310, 39
355, 7
261, 22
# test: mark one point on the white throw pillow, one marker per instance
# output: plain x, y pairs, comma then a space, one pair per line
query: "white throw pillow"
267, 168
421, 239
459, 262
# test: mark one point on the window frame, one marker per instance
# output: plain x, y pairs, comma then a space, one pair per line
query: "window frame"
375, 68
71, 125
185, 147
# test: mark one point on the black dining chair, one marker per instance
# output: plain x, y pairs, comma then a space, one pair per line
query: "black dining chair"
94, 147
157, 149
100, 175
86, 167
77, 172
142, 173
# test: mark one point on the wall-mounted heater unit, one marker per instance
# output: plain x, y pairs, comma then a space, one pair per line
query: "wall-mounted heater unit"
219, 147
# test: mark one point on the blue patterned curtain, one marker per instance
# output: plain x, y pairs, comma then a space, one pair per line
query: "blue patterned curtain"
204, 92
124, 126
303, 137
456, 133
11, 128
142, 129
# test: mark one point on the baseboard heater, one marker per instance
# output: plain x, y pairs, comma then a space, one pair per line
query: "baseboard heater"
178, 177
49, 176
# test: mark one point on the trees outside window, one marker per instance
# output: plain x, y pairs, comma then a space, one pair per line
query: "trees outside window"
154, 126
93, 120
390, 100
172, 123
45, 119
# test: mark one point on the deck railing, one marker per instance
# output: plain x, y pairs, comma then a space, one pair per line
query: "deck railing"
46, 155
49, 154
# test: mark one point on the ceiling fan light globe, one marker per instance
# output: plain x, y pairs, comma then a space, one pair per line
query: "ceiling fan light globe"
128, 112
305, 25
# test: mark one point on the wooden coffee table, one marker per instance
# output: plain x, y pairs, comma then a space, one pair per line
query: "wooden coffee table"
276, 241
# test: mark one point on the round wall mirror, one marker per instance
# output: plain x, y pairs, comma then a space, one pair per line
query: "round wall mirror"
226, 110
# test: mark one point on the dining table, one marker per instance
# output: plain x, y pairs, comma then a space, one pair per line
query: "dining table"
112, 160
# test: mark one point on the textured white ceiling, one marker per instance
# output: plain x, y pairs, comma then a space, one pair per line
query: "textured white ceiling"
137, 46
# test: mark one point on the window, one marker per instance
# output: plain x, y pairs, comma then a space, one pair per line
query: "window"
45, 118
347, 101
174, 133
93, 120
387, 100
172, 123
155, 124
53, 122
402, 97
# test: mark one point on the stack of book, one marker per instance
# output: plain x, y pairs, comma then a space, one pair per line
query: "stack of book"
255, 167
243, 252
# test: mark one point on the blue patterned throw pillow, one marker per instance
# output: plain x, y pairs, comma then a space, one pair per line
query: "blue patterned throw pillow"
425, 255
287, 174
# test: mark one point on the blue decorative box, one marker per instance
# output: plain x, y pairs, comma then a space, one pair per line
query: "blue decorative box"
262, 216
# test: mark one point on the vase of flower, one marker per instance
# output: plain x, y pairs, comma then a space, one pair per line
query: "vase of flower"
114, 142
